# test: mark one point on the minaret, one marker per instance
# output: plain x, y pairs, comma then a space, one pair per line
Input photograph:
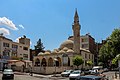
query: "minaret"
76, 33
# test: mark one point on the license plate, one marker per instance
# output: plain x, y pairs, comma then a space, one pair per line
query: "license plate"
8, 75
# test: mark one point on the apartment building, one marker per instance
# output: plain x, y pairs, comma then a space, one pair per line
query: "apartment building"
88, 42
10, 50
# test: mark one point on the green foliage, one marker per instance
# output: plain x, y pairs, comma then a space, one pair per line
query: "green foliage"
117, 57
39, 45
114, 61
89, 63
77, 60
114, 41
100, 63
111, 48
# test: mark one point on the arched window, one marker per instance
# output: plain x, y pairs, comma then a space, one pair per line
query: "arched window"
43, 63
58, 62
37, 62
50, 62
68, 61
65, 59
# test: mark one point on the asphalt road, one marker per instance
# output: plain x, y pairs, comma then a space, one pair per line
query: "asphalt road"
110, 75
34, 77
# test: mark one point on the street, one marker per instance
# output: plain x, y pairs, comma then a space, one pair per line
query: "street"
26, 76
34, 77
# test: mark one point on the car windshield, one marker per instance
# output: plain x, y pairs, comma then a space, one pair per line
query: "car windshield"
8, 70
67, 70
76, 72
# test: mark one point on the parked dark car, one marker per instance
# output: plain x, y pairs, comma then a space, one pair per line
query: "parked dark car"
90, 77
8, 74
105, 70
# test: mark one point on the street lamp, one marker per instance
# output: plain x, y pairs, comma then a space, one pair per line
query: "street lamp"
119, 67
55, 65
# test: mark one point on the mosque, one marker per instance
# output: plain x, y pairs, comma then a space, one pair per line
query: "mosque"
60, 59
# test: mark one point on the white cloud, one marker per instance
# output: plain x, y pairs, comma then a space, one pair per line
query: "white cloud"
6, 22
21, 26
17, 40
4, 31
30, 43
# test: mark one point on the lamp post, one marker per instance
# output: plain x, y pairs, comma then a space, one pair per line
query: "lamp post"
119, 67
55, 65
118, 57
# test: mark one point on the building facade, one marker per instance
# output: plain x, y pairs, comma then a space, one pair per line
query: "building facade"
58, 60
87, 42
10, 50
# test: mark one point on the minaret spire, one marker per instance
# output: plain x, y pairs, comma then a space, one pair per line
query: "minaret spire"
76, 33
76, 17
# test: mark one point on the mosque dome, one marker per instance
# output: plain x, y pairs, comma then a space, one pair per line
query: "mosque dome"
47, 52
61, 51
55, 51
70, 51
41, 53
65, 49
68, 44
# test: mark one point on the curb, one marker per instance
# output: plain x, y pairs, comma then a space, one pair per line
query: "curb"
20, 73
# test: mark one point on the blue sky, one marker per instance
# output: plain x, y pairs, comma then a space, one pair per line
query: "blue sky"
51, 20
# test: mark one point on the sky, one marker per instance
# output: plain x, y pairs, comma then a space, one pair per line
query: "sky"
51, 20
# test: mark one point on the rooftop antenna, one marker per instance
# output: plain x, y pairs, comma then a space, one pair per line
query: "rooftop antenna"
1, 34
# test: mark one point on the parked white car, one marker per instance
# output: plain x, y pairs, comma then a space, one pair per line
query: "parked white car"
8, 74
66, 73
75, 74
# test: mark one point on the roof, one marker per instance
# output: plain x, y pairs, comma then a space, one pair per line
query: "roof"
9, 61
67, 44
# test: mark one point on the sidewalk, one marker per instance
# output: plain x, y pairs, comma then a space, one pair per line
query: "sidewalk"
20, 73
49, 76
113, 77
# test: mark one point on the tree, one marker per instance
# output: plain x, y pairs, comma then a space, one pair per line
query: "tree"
111, 48
89, 63
105, 55
118, 57
115, 61
100, 63
39, 47
114, 41
77, 60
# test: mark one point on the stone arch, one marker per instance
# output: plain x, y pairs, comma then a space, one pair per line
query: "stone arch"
37, 62
58, 62
65, 59
43, 63
50, 62
68, 61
